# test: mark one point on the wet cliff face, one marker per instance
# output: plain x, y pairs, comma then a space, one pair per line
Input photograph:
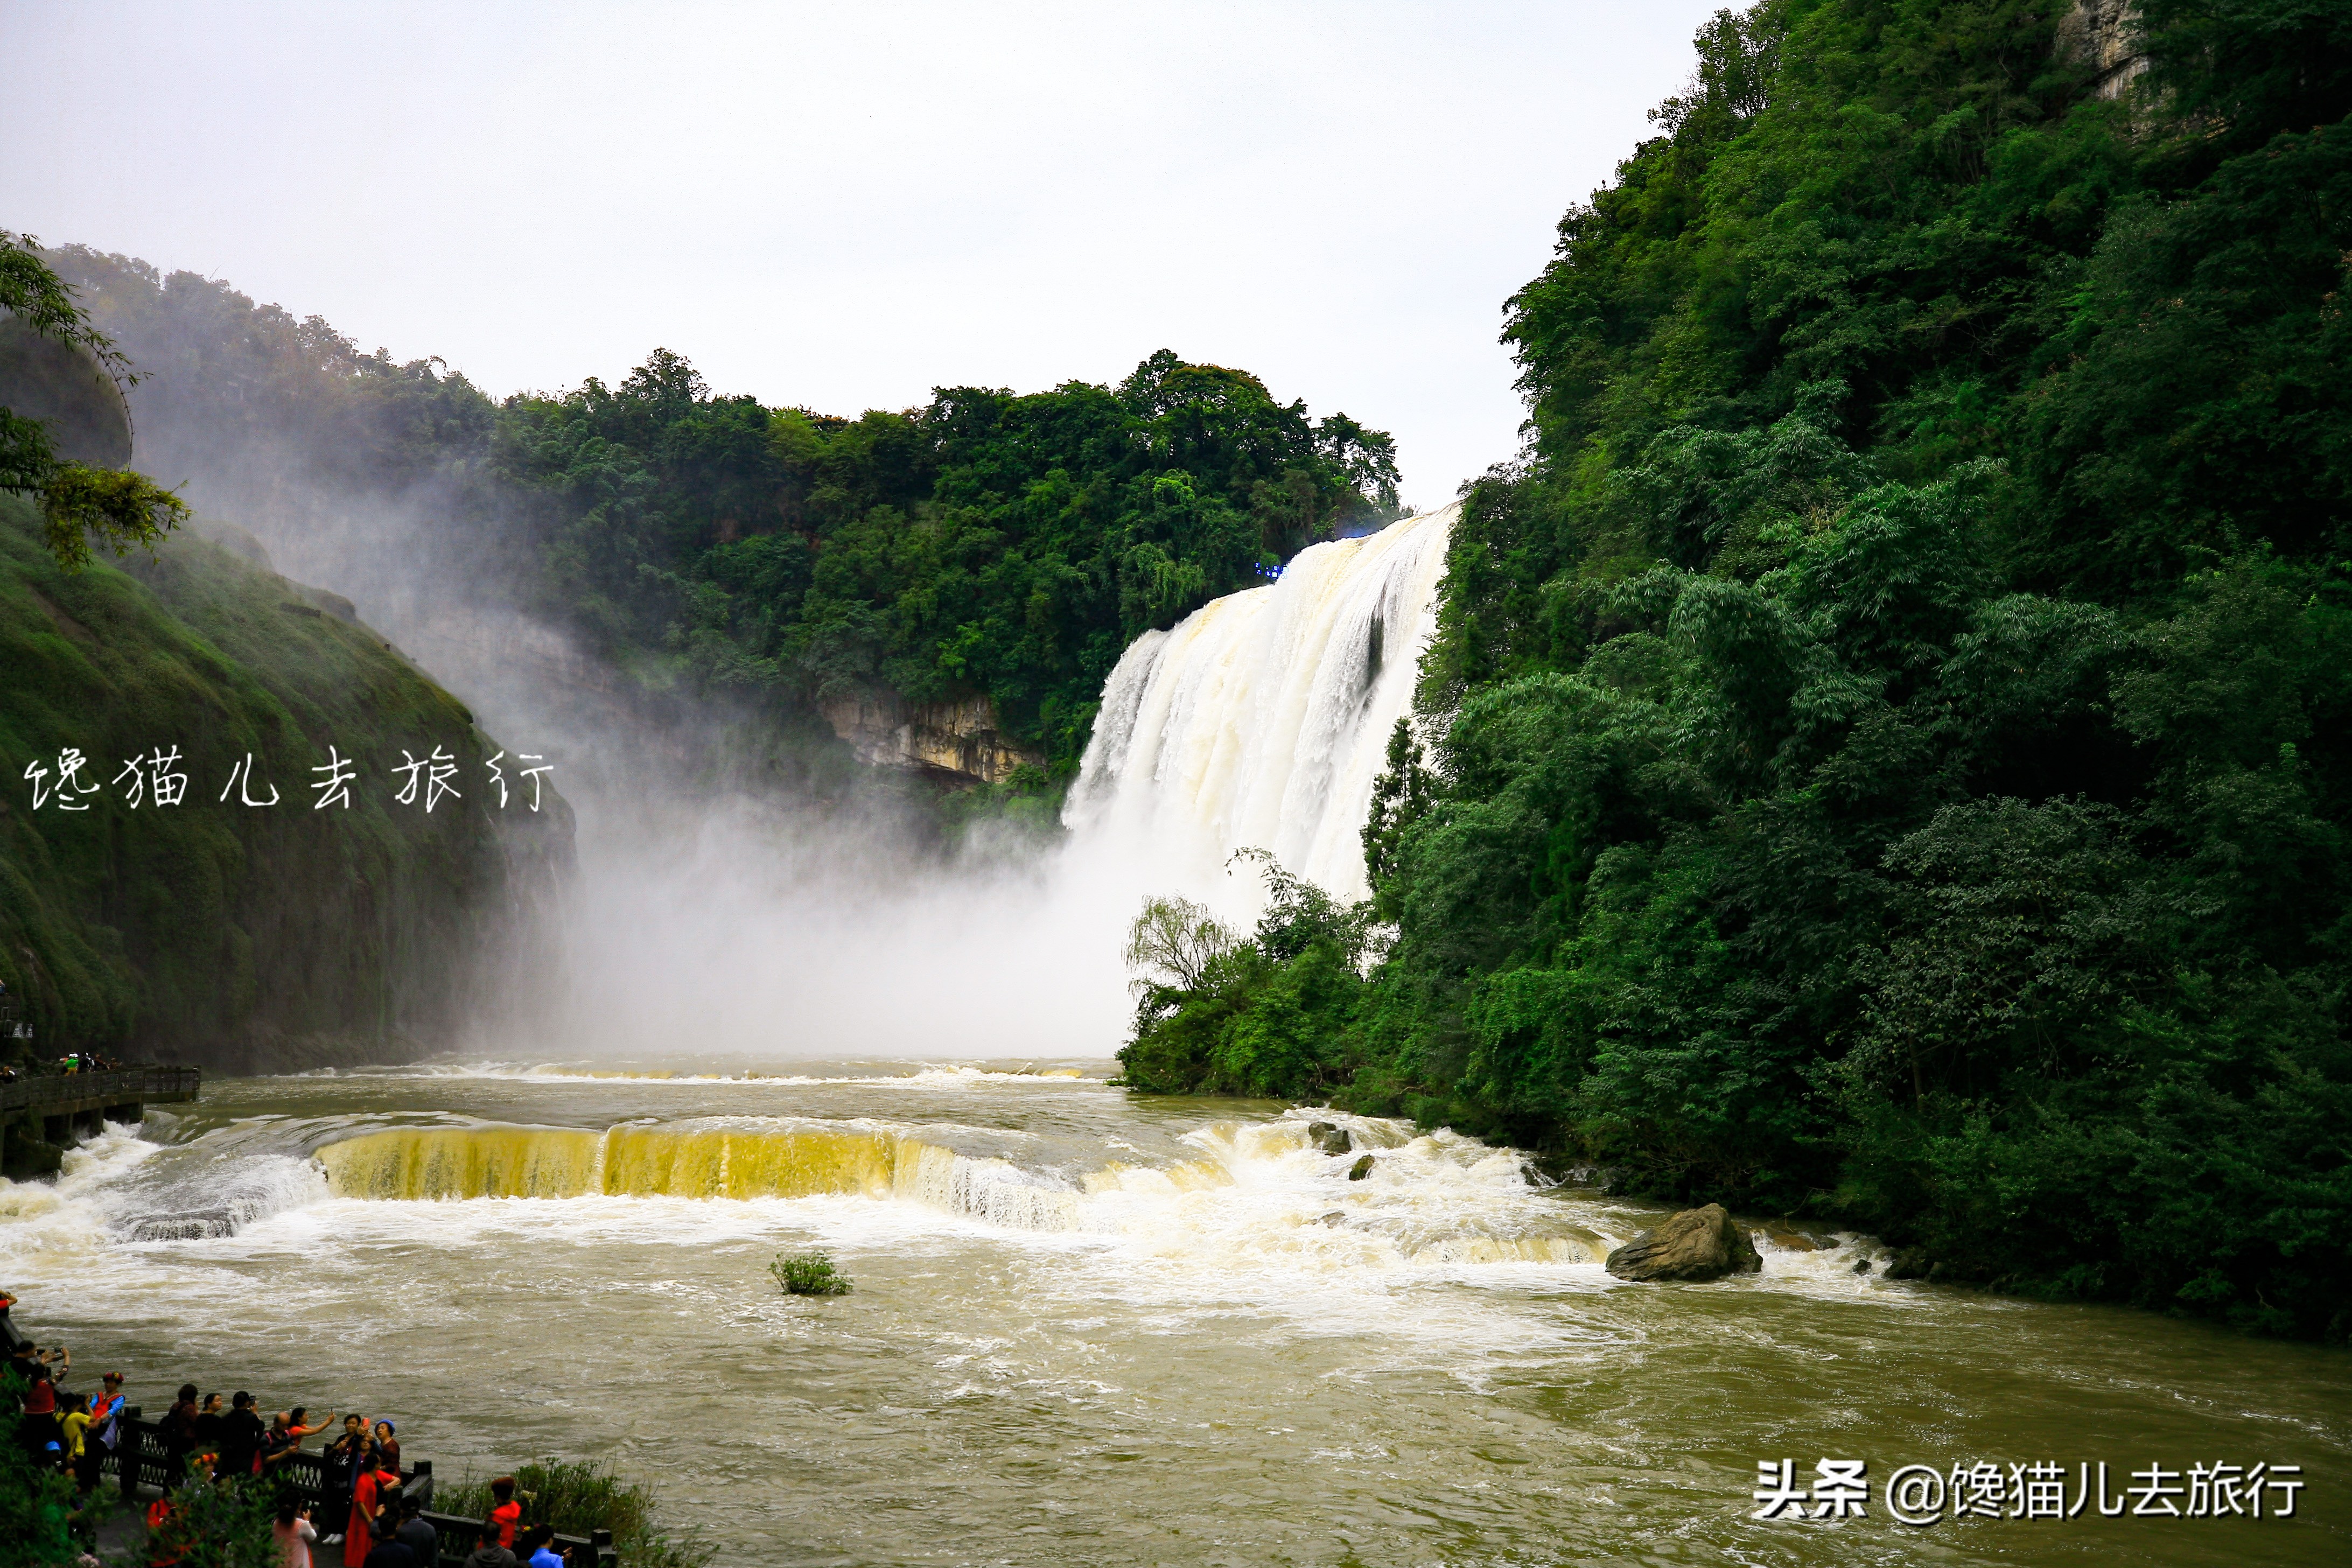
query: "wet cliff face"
954, 743
246, 935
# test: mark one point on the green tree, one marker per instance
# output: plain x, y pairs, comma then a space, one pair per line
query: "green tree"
123, 510
1884, 752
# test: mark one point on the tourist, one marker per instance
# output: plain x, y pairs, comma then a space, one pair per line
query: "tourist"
487, 1552
543, 1553
298, 1421
278, 1446
505, 1513
391, 1553
376, 1486
417, 1533
105, 1421
28, 1355
240, 1437
387, 1446
294, 1533
179, 1432
84, 1441
103, 1409
358, 1526
159, 1532
39, 1427
73, 1439
343, 1458
212, 1423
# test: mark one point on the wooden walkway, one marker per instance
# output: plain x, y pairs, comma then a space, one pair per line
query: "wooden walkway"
80, 1093
42, 1114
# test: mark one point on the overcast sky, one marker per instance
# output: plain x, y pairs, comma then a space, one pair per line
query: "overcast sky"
844, 206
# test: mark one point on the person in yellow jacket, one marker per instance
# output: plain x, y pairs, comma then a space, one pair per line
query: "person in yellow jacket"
74, 1429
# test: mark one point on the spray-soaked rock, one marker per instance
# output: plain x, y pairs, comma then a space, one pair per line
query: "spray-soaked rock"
1334, 1141
1697, 1243
1360, 1169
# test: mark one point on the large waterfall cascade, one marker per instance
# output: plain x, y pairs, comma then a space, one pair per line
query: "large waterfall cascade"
1262, 719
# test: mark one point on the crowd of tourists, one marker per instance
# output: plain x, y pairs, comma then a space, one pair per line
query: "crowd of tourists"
371, 1517
72, 1062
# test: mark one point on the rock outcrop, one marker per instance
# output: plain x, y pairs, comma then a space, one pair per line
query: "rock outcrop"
1695, 1244
954, 742
1330, 1138
1360, 1169
2106, 36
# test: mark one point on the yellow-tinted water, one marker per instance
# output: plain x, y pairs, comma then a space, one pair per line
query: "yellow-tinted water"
1089, 1329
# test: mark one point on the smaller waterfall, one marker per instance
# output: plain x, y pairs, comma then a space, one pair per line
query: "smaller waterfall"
1262, 719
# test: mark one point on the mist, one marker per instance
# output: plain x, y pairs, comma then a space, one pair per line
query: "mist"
708, 919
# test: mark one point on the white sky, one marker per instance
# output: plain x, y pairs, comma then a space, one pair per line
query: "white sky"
845, 206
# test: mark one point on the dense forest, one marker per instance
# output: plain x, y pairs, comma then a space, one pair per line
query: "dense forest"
761, 562
1887, 753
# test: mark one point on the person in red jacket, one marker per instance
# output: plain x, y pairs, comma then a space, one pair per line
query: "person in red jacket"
507, 1515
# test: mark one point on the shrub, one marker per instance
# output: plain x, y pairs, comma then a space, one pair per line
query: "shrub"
579, 1498
808, 1273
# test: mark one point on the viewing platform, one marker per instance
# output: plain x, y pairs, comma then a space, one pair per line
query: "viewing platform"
43, 1113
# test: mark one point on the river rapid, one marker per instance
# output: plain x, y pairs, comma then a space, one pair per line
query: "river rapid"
1091, 1328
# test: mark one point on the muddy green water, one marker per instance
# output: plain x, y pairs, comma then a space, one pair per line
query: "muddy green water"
1090, 1329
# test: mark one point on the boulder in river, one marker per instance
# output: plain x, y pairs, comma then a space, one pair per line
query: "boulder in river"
1607, 1180
1793, 1240
1697, 1243
1336, 1142
1314, 1130
1360, 1169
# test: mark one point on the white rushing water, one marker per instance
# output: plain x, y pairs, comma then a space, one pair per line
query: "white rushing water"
1261, 720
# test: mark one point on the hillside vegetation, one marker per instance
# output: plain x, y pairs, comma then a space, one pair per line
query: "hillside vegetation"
1887, 754
263, 937
762, 561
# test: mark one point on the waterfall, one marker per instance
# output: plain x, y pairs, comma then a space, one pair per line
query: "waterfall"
1249, 1187
850, 1159
1262, 719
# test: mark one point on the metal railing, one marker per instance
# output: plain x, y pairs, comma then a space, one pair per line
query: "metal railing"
121, 1085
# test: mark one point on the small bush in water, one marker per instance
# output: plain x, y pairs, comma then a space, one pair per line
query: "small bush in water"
807, 1274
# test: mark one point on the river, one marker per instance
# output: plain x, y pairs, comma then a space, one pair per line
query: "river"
1091, 1328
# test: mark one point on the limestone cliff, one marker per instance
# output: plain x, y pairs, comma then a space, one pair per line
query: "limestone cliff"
2106, 36
956, 743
